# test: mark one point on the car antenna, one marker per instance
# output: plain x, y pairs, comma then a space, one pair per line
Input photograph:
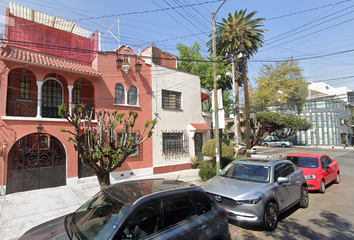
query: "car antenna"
177, 178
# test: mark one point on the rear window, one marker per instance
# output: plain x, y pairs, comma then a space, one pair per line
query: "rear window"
304, 162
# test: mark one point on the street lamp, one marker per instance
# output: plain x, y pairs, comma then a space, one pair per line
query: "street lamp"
216, 110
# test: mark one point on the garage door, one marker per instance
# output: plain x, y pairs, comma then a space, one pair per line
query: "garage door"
36, 161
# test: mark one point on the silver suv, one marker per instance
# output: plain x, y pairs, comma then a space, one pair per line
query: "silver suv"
141, 209
255, 191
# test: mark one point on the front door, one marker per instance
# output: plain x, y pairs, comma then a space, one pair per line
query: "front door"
198, 144
83, 170
36, 161
52, 97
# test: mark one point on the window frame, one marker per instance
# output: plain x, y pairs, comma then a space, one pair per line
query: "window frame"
77, 93
132, 97
178, 143
167, 101
24, 87
116, 94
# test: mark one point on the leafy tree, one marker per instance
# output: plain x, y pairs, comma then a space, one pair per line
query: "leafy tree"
293, 123
282, 84
191, 60
270, 122
103, 148
239, 33
227, 148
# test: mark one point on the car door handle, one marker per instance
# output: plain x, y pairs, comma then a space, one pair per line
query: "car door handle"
202, 227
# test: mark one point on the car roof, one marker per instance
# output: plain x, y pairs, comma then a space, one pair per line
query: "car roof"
304, 155
130, 192
258, 161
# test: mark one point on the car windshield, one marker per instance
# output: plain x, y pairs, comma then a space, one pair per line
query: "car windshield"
98, 217
249, 172
304, 162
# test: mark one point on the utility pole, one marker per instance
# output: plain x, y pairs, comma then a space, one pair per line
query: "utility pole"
247, 101
216, 109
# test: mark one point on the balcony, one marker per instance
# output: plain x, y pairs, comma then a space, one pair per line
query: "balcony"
28, 108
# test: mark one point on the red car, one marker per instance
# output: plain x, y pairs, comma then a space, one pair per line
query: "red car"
319, 169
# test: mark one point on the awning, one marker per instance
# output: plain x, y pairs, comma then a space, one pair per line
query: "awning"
199, 126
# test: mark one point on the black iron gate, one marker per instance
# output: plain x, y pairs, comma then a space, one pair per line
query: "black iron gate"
36, 161
83, 170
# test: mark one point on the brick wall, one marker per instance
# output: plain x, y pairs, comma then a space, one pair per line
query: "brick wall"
68, 45
164, 58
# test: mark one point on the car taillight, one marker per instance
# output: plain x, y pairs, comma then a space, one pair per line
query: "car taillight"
222, 213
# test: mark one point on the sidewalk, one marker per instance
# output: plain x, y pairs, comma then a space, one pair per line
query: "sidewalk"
21, 211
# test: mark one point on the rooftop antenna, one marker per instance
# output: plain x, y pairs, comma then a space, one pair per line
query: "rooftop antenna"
109, 31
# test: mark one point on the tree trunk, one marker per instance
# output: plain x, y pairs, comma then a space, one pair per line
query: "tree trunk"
247, 103
104, 180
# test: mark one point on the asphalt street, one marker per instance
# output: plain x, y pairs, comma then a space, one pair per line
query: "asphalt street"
329, 215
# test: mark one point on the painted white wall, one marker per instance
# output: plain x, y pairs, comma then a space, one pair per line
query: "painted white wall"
164, 78
321, 89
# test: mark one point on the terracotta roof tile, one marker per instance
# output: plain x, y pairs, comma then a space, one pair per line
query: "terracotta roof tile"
8, 52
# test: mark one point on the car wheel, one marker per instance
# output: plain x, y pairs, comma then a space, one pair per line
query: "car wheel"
265, 144
322, 187
304, 197
271, 217
337, 180
283, 145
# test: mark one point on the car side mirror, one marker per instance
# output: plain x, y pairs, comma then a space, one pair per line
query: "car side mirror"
283, 180
326, 168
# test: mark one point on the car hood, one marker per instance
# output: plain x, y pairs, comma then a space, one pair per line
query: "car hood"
53, 229
308, 171
233, 188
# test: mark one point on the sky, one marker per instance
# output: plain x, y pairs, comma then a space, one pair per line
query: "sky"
318, 33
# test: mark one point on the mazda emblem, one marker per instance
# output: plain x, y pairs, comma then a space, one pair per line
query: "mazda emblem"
218, 198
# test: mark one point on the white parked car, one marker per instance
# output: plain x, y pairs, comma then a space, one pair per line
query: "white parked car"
277, 143
241, 145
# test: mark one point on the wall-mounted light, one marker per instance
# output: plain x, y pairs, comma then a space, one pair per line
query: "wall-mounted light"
119, 63
137, 67
126, 68
39, 128
4, 144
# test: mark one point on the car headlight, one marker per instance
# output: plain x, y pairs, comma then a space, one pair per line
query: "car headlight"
254, 201
310, 177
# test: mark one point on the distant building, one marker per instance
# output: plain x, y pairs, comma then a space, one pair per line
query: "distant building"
328, 109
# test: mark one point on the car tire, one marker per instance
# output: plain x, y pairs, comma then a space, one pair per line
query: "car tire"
304, 197
337, 180
270, 217
322, 187
283, 145
265, 144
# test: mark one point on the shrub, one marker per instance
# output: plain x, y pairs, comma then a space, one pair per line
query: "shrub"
207, 170
194, 161
227, 148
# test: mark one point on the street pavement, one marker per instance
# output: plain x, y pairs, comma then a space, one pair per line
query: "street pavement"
21, 211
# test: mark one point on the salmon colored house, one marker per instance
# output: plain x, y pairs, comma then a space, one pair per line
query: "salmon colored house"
47, 61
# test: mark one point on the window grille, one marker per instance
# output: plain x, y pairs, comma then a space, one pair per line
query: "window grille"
25, 87
133, 96
119, 94
171, 99
174, 142
77, 93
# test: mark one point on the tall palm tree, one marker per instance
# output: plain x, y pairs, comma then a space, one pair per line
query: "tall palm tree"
239, 33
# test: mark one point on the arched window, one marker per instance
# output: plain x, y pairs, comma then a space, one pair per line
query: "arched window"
25, 87
119, 94
52, 97
133, 96
77, 93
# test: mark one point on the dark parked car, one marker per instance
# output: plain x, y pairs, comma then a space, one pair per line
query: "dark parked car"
141, 209
255, 191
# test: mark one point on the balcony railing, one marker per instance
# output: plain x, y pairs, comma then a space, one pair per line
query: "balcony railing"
28, 108
21, 108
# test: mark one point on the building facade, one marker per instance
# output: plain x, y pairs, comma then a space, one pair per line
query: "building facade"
329, 110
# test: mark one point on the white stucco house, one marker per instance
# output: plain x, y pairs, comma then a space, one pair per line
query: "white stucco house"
181, 127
